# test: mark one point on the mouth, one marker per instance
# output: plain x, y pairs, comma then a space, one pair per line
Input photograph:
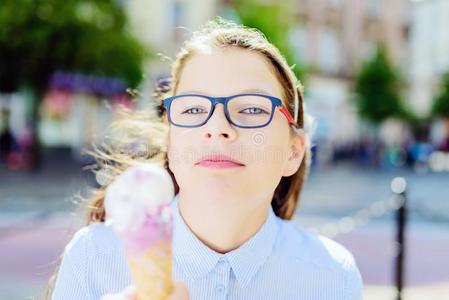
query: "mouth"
219, 161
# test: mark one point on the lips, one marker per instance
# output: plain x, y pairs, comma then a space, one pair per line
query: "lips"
219, 161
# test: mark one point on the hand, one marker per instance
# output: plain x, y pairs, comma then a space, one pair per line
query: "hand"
180, 292
127, 294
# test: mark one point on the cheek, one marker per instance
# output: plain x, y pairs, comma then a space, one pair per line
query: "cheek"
181, 150
267, 150
174, 151
272, 142
266, 153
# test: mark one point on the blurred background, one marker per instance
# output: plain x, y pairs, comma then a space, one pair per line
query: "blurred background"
376, 76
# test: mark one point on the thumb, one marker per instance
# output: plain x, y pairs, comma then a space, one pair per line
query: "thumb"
180, 291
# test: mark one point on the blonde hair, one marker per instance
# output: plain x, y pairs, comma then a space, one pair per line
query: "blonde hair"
141, 136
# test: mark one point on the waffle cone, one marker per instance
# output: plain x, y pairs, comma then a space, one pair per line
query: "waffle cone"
151, 272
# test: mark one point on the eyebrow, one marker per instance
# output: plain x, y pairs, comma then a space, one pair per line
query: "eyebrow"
246, 91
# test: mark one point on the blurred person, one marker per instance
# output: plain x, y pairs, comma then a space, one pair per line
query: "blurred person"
231, 130
8, 143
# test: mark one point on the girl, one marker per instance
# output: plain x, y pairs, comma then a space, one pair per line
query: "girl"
239, 154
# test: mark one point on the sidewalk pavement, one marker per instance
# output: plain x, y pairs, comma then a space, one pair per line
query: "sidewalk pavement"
438, 291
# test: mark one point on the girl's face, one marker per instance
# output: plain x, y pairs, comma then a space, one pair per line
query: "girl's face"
264, 154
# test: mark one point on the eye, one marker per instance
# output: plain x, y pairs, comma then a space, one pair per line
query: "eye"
194, 111
254, 111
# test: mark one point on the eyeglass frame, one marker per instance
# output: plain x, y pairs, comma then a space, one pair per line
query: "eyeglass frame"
275, 102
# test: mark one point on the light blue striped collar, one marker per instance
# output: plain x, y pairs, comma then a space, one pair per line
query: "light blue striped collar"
197, 260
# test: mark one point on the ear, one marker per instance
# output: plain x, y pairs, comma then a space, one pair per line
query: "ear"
297, 151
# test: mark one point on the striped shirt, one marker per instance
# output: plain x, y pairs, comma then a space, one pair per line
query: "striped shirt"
281, 261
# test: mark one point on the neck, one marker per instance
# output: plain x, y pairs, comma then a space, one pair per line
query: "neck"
219, 225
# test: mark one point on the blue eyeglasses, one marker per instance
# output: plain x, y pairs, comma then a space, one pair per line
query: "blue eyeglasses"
241, 110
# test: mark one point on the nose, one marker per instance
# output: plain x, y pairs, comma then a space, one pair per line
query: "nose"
218, 126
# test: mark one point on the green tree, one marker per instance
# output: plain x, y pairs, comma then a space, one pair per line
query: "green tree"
274, 19
440, 107
39, 37
377, 89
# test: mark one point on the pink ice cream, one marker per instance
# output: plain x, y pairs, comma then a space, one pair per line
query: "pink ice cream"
138, 204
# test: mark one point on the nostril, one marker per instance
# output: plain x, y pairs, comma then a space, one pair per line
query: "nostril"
225, 135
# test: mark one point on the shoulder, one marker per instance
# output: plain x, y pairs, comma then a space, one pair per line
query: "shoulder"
94, 258
305, 246
315, 256
92, 239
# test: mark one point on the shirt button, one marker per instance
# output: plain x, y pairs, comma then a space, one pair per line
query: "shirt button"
220, 288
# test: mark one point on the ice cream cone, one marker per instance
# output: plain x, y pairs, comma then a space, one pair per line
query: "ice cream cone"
151, 272
138, 202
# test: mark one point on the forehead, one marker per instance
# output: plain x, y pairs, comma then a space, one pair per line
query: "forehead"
228, 71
